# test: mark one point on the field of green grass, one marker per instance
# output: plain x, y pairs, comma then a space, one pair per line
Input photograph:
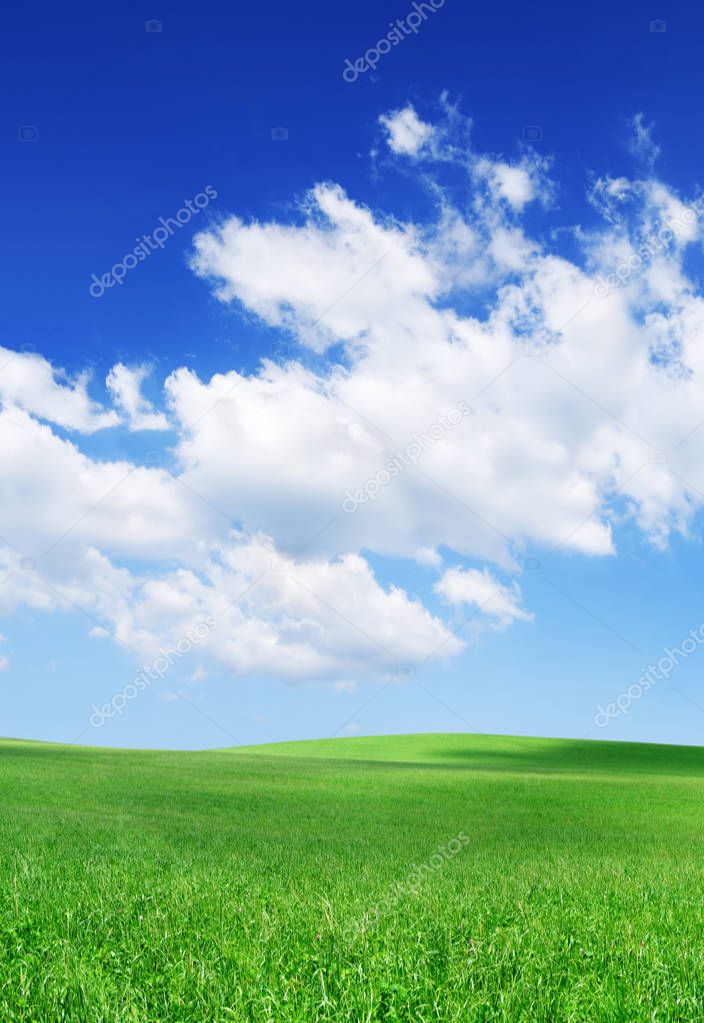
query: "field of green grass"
407, 878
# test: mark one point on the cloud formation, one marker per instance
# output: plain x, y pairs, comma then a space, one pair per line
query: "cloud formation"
28, 381
125, 385
584, 407
474, 588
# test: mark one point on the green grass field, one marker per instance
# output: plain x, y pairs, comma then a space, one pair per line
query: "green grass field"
281, 883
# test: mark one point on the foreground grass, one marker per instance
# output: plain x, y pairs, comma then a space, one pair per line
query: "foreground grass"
274, 884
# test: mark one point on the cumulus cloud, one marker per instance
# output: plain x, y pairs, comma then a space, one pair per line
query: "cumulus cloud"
582, 408
405, 131
411, 360
515, 183
293, 619
303, 620
480, 589
125, 385
114, 506
28, 381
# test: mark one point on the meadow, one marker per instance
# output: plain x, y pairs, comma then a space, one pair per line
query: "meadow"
323, 881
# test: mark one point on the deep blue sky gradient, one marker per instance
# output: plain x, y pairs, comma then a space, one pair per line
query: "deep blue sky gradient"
131, 123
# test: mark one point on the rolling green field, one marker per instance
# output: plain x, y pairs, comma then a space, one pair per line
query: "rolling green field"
407, 878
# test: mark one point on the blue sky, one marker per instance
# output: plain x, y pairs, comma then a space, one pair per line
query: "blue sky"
390, 247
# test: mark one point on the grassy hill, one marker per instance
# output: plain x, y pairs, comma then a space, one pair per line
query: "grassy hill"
497, 752
408, 878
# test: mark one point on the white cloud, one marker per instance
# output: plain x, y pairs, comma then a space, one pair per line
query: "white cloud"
480, 589
517, 184
302, 438
542, 453
428, 556
328, 279
310, 619
300, 621
125, 385
113, 506
406, 133
392, 325
513, 184
642, 144
28, 381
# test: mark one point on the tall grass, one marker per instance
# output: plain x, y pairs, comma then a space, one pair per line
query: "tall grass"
286, 884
